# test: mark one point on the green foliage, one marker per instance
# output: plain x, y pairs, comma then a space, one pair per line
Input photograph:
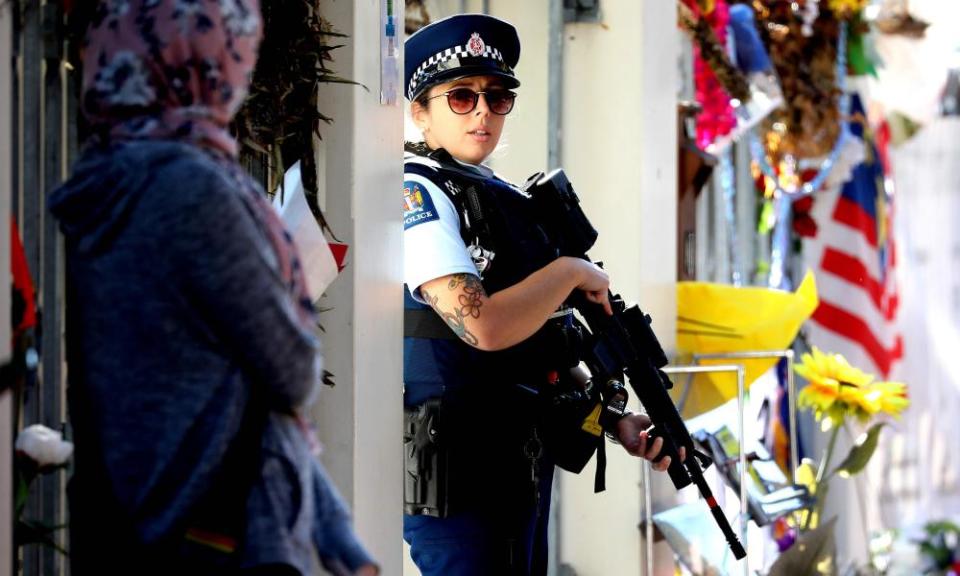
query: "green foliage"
280, 118
861, 452
941, 546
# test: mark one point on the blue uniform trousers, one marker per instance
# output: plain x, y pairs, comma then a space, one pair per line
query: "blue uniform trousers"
508, 540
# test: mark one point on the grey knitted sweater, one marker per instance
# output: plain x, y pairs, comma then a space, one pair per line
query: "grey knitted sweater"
176, 313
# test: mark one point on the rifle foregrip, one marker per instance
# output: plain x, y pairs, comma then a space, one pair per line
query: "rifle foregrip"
677, 469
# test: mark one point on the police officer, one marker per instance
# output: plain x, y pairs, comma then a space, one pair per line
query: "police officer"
484, 299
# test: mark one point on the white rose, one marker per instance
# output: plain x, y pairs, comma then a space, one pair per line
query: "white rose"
44, 446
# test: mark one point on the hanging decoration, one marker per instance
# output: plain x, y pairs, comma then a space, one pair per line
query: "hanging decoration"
416, 15
717, 80
736, 84
786, 173
280, 117
798, 147
754, 61
810, 72
895, 18
814, 45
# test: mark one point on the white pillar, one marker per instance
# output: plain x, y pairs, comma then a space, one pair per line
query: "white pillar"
361, 161
620, 153
6, 398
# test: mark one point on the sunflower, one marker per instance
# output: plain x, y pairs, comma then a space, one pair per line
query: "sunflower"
890, 397
837, 389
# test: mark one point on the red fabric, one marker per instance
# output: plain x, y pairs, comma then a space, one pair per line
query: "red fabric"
339, 252
804, 224
854, 257
22, 282
882, 141
852, 270
853, 328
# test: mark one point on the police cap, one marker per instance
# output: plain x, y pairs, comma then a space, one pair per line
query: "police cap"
460, 46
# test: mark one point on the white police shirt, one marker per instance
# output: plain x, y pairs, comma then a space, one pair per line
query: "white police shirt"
432, 246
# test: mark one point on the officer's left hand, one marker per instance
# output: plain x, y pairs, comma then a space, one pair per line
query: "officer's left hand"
631, 433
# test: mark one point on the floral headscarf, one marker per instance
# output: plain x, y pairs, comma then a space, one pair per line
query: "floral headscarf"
179, 70
169, 69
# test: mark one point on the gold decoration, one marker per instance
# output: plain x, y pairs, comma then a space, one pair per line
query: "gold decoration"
416, 16
808, 124
895, 18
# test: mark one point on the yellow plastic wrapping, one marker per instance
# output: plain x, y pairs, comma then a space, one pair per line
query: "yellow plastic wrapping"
717, 318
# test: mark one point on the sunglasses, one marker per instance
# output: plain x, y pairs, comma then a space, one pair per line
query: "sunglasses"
464, 100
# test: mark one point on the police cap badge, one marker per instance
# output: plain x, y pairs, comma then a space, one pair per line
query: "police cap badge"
460, 46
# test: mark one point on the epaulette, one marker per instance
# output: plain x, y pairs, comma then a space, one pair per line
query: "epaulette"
418, 160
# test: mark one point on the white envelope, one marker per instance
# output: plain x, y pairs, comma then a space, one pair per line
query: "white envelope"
318, 263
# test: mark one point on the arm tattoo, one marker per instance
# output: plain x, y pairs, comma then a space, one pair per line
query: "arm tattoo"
473, 293
470, 302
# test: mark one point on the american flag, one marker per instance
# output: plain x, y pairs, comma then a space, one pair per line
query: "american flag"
853, 254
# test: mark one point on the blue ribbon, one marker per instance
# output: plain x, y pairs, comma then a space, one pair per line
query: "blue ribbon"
751, 54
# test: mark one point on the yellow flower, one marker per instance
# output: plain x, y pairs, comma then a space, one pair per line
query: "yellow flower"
830, 368
835, 387
890, 397
859, 401
818, 396
846, 8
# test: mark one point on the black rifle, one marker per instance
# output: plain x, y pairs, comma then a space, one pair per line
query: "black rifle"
624, 343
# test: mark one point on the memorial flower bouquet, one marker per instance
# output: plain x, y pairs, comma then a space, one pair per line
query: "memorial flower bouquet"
841, 397
839, 393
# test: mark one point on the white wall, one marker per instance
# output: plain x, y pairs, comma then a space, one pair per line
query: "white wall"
620, 151
523, 146
360, 420
6, 400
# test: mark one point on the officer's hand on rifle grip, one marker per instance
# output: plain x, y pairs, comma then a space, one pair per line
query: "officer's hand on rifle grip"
594, 282
661, 458
635, 434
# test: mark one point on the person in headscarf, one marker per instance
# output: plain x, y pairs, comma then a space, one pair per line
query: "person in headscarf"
191, 342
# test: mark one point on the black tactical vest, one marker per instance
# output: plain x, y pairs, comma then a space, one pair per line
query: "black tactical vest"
489, 401
501, 230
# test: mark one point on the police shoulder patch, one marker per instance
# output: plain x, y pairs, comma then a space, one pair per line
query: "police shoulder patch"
418, 207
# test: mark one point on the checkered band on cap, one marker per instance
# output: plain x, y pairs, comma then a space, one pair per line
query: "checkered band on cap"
436, 62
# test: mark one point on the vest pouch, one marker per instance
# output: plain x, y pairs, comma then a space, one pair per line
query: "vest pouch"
567, 415
571, 430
